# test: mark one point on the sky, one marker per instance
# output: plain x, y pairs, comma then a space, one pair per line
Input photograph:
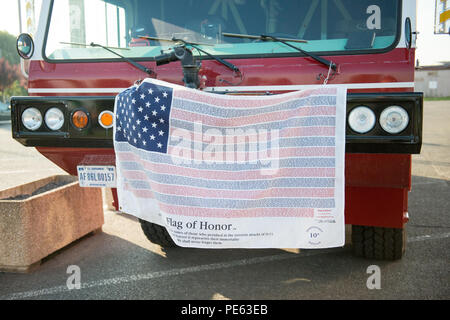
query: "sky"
431, 49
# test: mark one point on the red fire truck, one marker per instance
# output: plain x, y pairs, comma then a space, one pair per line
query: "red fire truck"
85, 52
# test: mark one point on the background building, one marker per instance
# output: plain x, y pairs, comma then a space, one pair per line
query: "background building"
433, 81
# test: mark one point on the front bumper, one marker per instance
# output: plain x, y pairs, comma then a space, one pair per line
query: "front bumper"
409, 141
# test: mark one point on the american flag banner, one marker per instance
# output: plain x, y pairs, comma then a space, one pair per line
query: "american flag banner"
233, 171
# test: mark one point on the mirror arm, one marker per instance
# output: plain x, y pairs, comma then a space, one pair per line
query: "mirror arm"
22, 68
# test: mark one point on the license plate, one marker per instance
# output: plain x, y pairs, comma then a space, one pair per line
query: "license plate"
97, 176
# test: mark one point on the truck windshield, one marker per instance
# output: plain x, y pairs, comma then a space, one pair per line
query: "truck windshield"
329, 26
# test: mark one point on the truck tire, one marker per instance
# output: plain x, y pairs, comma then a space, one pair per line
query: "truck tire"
157, 234
378, 243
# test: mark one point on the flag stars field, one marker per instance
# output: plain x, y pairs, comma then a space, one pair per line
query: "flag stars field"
148, 129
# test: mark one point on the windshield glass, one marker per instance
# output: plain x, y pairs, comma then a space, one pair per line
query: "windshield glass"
337, 26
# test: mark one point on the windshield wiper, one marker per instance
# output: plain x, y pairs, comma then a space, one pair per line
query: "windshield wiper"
259, 37
229, 65
264, 37
132, 62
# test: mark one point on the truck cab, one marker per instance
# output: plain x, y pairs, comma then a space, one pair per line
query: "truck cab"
85, 52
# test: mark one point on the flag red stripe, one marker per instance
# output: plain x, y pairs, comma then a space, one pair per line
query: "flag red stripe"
236, 194
225, 175
205, 119
235, 101
237, 213
263, 137
248, 155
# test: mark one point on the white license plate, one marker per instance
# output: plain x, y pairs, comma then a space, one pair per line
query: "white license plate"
97, 176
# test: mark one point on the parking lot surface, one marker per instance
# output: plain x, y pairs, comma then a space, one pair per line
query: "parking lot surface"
120, 263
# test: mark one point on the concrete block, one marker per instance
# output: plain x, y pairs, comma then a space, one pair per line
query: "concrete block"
41, 217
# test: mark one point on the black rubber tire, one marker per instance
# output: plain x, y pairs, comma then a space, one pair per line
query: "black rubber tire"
378, 243
157, 234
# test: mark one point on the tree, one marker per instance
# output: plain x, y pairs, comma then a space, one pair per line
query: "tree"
15, 89
12, 81
8, 74
8, 48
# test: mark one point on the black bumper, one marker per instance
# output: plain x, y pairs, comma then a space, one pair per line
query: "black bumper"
95, 136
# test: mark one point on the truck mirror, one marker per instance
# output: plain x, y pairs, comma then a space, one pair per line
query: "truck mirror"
25, 46
408, 33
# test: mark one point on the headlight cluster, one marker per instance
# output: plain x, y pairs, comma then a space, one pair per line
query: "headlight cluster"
393, 119
32, 118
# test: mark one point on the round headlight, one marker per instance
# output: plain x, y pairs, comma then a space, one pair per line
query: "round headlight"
361, 119
394, 119
54, 118
32, 119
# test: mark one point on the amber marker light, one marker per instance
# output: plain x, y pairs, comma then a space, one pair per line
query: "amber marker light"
80, 119
106, 119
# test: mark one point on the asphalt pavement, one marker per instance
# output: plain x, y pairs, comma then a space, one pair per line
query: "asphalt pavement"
119, 263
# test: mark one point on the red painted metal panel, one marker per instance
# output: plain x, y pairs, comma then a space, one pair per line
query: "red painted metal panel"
394, 66
68, 158
378, 170
379, 207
